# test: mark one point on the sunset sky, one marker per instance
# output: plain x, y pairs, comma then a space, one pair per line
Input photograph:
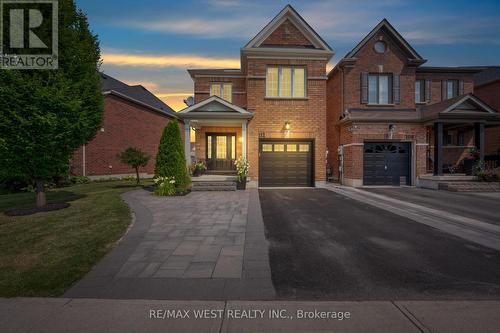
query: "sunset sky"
153, 42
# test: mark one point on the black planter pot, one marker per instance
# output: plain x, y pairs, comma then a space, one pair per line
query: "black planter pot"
241, 184
469, 166
196, 173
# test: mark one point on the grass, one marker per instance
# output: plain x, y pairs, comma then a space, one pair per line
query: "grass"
45, 253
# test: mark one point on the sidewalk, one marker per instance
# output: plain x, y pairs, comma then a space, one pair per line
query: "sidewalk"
474, 230
91, 315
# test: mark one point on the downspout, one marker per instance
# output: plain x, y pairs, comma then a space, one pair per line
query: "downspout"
84, 171
342, 112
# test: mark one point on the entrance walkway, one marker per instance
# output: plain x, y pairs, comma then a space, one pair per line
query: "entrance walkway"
199, 246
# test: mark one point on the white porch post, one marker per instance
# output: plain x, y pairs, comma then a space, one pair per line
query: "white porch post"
187, 142
244, 139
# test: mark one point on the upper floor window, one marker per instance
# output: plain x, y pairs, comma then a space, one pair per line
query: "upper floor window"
223, 90
286, 82
450, 89
379, 89
420, 91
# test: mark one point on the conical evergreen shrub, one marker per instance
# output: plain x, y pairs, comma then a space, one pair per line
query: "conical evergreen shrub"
170, 160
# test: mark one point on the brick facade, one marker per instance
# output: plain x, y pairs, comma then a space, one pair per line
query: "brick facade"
125, 125
490, 93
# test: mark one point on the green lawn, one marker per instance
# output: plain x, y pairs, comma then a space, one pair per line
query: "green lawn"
45, 253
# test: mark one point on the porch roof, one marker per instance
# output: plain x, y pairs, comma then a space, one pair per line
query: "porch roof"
461, 108
214, 108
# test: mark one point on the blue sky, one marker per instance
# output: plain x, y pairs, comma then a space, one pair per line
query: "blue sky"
154, 42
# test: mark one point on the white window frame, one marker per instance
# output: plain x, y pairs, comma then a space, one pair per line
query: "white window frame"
292, 81
422, 91
221, 85
390, 88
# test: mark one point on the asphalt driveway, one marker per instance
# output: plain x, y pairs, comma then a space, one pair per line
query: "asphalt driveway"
323, 245
481, 206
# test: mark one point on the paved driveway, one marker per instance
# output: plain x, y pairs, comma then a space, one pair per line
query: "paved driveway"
323, 245
481, 206
206, 245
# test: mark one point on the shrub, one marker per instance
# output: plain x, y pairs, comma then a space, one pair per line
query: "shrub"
135, 158
490, 175
165, 186
170, 160
80, 180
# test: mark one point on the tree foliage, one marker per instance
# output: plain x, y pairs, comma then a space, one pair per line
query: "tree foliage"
170, 160
46, 114
135, 158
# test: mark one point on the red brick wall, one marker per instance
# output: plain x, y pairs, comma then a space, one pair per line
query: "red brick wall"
202, 89
436, 82
307, 116
334, 111
392, 61
286, 34
490, 93
125, 125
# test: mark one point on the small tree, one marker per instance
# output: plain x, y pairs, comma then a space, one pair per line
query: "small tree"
135, 158
170, 160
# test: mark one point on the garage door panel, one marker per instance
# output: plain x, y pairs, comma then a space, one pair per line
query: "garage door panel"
386, 163
285, 163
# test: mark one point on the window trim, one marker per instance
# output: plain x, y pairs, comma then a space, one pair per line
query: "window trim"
221, 84
291, 80
423, 91
390, 89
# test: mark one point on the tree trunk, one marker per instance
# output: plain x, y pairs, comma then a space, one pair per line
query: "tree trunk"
137, 175
40, 193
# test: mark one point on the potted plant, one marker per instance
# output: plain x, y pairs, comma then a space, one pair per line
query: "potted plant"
470, 161
198, 168
242, 166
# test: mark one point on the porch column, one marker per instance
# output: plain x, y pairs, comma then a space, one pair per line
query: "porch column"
438, 149
187, 142
479, 139
244, 139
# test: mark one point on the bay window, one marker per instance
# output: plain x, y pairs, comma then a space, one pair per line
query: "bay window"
285, 82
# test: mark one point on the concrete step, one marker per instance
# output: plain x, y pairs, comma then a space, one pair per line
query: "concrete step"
470, 186
214, 186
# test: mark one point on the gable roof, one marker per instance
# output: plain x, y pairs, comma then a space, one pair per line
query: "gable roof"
400, 41
215, 107
289, 13
135, 93
462, 105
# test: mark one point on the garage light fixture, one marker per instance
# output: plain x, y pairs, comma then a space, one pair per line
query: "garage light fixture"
288, 126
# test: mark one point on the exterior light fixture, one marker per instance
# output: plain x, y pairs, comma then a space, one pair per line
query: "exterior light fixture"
287, 125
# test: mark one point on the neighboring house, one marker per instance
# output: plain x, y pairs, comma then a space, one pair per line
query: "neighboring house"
272, 110
487, 87
391, 120
133, 117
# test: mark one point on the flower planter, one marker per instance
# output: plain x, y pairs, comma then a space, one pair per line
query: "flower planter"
241, 184
196, 173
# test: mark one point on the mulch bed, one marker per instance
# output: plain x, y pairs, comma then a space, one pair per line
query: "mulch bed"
33, 210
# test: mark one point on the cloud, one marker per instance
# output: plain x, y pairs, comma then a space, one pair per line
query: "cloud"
174, 60
175, 100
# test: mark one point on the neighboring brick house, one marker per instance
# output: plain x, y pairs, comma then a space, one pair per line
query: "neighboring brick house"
272, 110
487, 87
133, 117
391, 120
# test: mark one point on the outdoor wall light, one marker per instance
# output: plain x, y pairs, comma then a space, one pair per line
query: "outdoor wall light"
287, 125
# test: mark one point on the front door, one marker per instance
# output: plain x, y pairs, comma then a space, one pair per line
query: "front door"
221, 151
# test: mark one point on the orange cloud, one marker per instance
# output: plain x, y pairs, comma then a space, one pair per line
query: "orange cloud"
182, 61
175, 100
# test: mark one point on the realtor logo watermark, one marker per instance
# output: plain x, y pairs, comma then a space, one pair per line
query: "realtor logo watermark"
28, 34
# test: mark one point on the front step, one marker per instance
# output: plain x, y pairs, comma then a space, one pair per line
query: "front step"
214, 186
470, 186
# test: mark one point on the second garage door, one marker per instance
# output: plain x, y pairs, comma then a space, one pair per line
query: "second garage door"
386, 163
285, 163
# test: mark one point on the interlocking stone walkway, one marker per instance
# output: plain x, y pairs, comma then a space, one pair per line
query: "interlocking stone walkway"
206, 245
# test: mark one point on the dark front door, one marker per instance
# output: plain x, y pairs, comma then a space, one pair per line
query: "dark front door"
286, 163
386, 163
221, 151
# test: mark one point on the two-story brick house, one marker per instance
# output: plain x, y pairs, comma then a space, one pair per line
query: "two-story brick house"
391, 120
272, 110
379, 117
